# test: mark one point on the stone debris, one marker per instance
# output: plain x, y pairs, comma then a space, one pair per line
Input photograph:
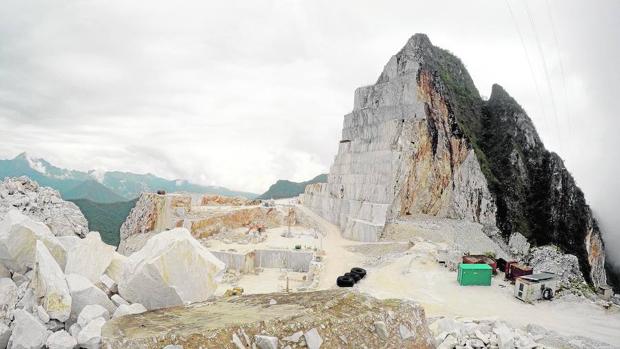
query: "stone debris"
61, 340
50, 285
5, 334
42, 204
266, 342
156, 276
84, 293
8, 299
124, 309
115, 269
28, 332
565, 266
108, 284
90, 336
43, 315
519, 246
18, 237
118, 300
295, 337
91, 258
477, 334
91, 312
313, 339
381, 329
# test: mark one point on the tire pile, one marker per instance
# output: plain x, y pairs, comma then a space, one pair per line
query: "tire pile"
351, 278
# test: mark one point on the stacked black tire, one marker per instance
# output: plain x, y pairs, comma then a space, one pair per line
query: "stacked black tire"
351, 278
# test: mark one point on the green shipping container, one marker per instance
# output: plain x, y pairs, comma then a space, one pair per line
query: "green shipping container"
474, 274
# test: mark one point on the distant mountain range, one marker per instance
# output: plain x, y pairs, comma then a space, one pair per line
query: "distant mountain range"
287, 189
102, 187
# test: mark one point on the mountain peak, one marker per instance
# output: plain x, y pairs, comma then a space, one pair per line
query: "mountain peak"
419, 40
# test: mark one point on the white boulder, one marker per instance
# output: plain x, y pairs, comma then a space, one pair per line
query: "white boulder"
28, 332
42, 314
115, 269
5, 334
118, 300
131, 309
107, 284
90, 258
69, 242
49, 284
90, 336
18, 235
74, 330
8, 299
83, 293
172, 268
61, 340
91, 312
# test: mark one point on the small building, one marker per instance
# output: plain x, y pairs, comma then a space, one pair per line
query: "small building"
605, 291
474, 274
530, 288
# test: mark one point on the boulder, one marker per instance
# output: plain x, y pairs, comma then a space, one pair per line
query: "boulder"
28, 301
61, 340
329, 314
49, 284
90, 258
91, 312
42, 204
42, 314
5, 334
107, 284
90, 336
266, 342
518, 244
162, 273
83, 293
18, 235
28, 332
551, 260
505, 336
74, 330
125, 309
69, 242
115, 269
8, 299
118, 300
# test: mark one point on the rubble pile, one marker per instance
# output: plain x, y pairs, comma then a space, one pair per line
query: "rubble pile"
550, 259
60, 291
477, 334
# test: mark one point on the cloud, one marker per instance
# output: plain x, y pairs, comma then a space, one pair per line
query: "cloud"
242, 93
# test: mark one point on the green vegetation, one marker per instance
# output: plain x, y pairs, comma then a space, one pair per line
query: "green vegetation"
93, 191
287, 189
106, 218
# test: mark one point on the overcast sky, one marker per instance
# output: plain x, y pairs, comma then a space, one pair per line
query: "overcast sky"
241, 93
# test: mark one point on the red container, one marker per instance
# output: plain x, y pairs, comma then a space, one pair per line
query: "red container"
480, 259
514, 270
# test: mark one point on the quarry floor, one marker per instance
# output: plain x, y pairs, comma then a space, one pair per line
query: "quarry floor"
409, 271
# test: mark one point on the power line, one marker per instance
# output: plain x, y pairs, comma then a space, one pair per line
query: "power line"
547, 76
529, 61
557, 46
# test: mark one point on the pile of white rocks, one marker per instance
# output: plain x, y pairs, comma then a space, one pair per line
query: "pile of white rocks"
476, 334
42, 204
59, 291
551, 260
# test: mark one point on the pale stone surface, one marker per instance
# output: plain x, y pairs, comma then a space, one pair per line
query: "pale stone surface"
5, 334
18, 236
109, 284
69, 242
28, 332
115, 269
50, 285
83, 293
61, 340
157, 275
74, 330
91, 312
118, 300
42, 314
313, 339
549, 259
91, 258
90, 336
399, 156
266, 342
4, 272
8, 299
42, 204
519, 246
126, 309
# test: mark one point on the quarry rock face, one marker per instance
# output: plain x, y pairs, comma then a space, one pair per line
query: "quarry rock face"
172, 268
42, 204
421, 140
402, 153
325, 319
